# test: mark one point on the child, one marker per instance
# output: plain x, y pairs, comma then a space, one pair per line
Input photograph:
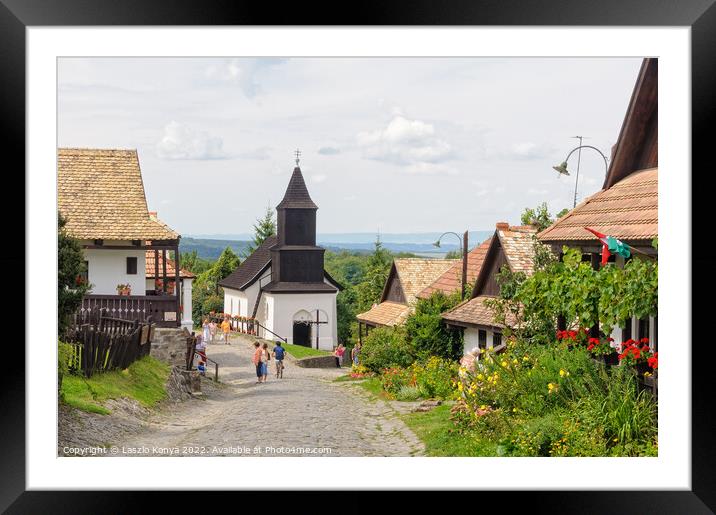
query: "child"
256, 360
206, 329
201, 368
226, 327
279, 353
265, 357
200, 348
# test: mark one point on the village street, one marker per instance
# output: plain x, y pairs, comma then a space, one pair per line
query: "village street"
306, 409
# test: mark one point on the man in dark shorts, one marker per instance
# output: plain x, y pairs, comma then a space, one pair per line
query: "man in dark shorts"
279, 353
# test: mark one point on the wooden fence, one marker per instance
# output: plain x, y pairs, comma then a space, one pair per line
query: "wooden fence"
101, 343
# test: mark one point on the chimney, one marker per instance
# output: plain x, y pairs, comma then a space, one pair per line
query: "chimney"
502, 226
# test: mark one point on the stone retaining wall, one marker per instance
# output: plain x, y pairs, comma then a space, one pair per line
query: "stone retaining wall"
169, 345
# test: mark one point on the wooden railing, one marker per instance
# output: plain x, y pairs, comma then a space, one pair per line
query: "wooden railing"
164, 309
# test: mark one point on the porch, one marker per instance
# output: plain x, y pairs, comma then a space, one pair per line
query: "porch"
164, 309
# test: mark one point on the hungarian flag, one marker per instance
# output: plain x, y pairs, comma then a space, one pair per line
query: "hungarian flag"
611, 245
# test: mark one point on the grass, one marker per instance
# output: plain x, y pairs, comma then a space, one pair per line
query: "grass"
299, 351
144, 381
437, 432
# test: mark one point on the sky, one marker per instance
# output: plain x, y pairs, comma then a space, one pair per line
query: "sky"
389, 145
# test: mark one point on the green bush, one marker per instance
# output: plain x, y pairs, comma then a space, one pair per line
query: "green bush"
426, 331
386, 347
64, 355
408, 393
556, 401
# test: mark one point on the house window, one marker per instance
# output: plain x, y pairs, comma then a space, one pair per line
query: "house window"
131, 266
496, 339
644, 328
482, 339
626, 331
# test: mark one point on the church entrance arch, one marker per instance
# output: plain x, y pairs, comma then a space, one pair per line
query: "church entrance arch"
302, 328
306, 327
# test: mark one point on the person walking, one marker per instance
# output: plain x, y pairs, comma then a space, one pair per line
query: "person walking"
256, 360
206, 330
226, 327
338, 353
265, 358
278, 354
212, 331
355, 353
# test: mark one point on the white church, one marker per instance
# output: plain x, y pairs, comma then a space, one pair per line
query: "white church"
283, 284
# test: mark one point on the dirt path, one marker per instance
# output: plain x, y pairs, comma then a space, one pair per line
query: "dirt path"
305, 413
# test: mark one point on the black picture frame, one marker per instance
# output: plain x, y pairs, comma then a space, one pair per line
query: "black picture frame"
700, 15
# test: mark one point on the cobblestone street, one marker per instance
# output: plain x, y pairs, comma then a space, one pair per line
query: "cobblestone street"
306, 409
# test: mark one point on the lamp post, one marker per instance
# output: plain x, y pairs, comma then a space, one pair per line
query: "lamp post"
562, 168
463, 251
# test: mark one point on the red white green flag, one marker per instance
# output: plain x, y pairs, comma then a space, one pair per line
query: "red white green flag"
611, 245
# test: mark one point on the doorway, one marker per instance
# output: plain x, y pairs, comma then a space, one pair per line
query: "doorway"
302, 334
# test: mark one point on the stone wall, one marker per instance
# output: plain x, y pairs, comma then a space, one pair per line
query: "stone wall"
317, 362
169, 345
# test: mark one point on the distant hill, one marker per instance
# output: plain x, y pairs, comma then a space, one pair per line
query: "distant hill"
416, 243
211, 249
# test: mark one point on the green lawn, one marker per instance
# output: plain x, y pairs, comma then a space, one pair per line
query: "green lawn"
437, 432
143, 381
299, 351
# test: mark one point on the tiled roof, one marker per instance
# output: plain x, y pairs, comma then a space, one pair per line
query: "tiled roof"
386, 313
247, 271
296, 193
628, 211
450, 280
149, 260
101, 194
416, 274
474, 312
518, 245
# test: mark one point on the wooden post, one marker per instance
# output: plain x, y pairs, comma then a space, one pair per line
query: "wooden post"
360, 332
156, 268
464, 264
317, 326
176, 282
164, 271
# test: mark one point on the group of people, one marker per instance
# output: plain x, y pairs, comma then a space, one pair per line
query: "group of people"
340, 352
209, 329
261, 359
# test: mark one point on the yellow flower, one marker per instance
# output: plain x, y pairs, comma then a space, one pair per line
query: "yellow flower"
525, 358
504, 363
459, 386
563, 373
514, 410
480, 377
551, 387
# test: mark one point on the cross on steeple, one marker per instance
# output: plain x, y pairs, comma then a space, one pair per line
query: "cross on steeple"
298, 156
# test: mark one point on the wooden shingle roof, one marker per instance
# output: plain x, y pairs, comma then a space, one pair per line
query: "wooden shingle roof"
450, 280
628, 211
518, 245
101, 194
296, 195
149, 267
416, 274
248, 271
386, 313
474, 312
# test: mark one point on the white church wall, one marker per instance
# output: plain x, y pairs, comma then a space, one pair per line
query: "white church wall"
108, 267
283, 307
235, 302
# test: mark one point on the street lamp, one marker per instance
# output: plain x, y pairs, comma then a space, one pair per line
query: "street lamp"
562, 168
463, 251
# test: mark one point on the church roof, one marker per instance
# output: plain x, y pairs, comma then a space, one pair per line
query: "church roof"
249, 270
297, 194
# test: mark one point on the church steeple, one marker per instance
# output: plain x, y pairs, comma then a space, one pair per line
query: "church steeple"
297, 196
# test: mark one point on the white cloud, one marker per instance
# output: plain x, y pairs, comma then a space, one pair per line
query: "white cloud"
329, 151
411, 144
241, 72
182, 142
318, 178
530, 150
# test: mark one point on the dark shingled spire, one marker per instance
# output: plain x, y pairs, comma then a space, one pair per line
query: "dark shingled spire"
297, 194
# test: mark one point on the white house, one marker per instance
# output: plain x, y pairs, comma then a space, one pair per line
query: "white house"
100, 193
283, 284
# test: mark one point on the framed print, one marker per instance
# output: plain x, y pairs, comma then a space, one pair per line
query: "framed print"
417, 252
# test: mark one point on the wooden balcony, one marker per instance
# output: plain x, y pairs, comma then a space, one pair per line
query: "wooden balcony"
164, 309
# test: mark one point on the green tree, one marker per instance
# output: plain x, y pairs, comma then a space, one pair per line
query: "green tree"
377, 269
191, 262
563, 212
71, 287
539, 216
263, 228
426, 332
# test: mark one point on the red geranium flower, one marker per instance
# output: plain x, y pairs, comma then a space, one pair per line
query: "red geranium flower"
654, 361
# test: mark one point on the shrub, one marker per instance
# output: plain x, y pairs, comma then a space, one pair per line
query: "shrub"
64, 355
408, 393
386, 347
426, 331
